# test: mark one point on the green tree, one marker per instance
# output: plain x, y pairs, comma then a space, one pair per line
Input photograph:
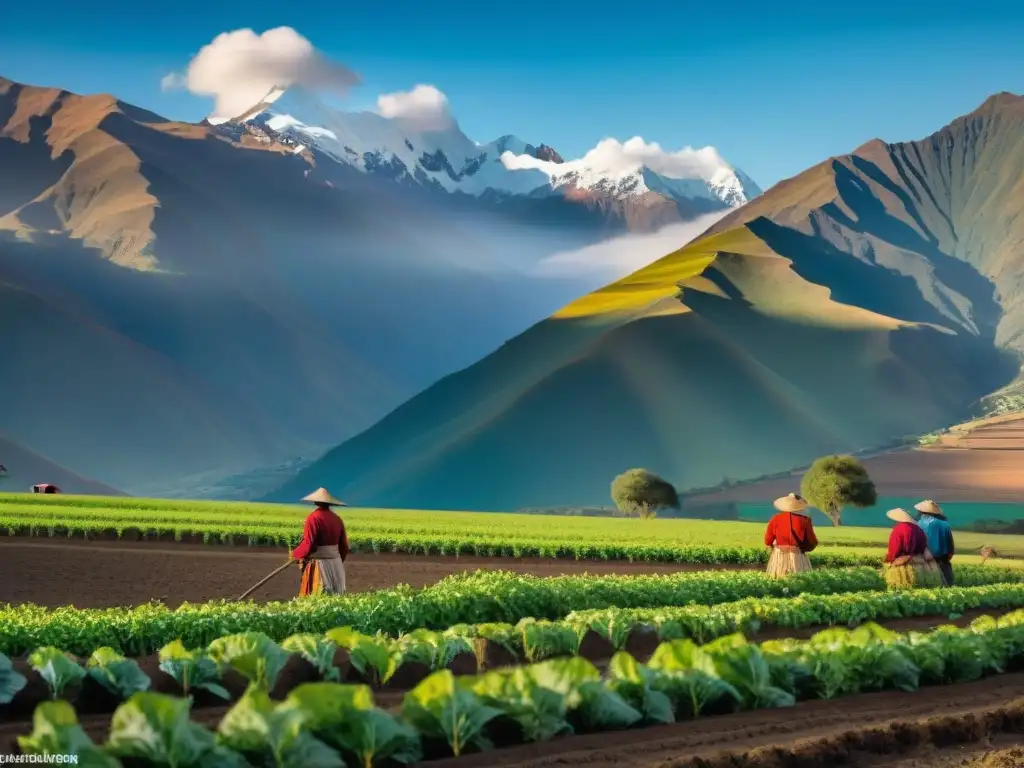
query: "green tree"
639, 493
834, 482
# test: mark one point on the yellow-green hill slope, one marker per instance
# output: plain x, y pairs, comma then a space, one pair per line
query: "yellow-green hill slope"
873, 296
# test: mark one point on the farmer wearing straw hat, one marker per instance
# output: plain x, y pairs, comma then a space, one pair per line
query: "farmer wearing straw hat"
321, 553
909, 563
940, 537
790, 534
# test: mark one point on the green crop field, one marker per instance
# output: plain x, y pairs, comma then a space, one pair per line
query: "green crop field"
553, 656
451, 533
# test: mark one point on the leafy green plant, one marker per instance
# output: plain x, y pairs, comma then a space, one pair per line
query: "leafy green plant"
344, 716
155, 728
11, 682
119, 675
376, 658
273, 735
485, 597
318, 651
434, 649
55, 731
191, 669
547, 639
252, 654
613, 624
869, 658
637, 685
440, 709
690, 679
742, 665
61, 672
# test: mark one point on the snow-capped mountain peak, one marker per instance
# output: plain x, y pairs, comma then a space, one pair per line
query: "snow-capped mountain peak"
445, 158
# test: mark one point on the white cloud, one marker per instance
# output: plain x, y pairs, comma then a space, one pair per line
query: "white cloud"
239, 68
172, 81
620, 256
424, 108
613, 158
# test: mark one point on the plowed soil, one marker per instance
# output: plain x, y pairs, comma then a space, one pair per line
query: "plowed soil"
892, 729
106, 574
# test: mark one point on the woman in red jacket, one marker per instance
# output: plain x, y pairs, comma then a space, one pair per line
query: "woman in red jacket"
909, 563
790, 534
321, 553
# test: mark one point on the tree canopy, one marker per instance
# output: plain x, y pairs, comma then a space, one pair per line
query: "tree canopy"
639, 493
835, 482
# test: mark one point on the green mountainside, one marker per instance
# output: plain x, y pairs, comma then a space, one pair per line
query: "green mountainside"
876, 295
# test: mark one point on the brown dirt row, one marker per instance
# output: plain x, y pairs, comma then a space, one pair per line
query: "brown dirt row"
818, 734
956, 725
88, 574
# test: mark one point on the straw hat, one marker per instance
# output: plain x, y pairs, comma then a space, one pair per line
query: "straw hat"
902, 516
929, 507
791, 503
323, 496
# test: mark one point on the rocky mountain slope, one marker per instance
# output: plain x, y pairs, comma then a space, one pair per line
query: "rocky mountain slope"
191, 298
875, 295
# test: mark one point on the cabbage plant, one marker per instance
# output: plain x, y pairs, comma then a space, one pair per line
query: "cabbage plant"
60, 671
344, 717
377, 658
272, 735
154, 729
441, 709
637, 685
121, 676
55, 731
318, 651
192, 669
252, 654
11, 681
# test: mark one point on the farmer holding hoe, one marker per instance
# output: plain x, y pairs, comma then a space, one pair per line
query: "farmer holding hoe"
321, 553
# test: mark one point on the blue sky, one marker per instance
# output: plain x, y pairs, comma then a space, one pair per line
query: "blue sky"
774, 90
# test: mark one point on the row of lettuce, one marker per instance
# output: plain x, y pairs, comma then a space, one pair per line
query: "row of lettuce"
429, 544
333, 724
376, 658
477, 598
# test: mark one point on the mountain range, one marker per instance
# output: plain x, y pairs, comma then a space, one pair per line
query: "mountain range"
197, 298
635, 184
874, 296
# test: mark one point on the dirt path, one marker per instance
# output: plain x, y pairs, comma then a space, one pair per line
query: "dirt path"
103, 574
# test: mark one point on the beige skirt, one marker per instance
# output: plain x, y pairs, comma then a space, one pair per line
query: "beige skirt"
911, 572
787, 560
323, 573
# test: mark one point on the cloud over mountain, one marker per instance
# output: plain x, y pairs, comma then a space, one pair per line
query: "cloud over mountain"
424, 108
613, 155
239, 68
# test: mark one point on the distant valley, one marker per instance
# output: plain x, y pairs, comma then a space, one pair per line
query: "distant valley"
199, 300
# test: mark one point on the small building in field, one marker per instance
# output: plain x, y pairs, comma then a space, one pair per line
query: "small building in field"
45, 488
